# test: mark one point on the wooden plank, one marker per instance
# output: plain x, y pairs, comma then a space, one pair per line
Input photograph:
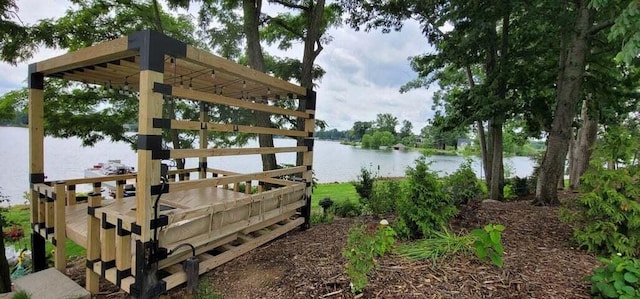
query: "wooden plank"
102, 179
108, 244
218, 63
107, 51
268, 180
210, 263
230, 128
150, 107
202, 243
227, 101
60, 259
237, 178
71, 195
93, 245
204, 141
217, 152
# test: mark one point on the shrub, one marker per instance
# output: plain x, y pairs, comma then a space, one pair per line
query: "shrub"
607, 217
508, 192
520, 186
423, 207
364, 245
325, 203
347, 208
364, 184
462, 185
384, 196
488, 243
619, 277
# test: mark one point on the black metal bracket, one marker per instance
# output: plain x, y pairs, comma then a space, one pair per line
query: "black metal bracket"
122, 274
165, 89
161, 123
36, 178
105, 223
106, 265
310, 99
202, 166
147, 256
120, 231
162, 220
309, 144
153, 46
157, 189
36, 79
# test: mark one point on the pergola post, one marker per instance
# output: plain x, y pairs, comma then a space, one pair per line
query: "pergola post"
36, 163
307, 156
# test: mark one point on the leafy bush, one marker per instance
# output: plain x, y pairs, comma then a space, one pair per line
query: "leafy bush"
364, 184
532, 182
462, 185
364, 245
384, 196
439, 245
325, 203
508, 192
423, 207
619, 277
347, 208
520, 186
489, 243
607, 217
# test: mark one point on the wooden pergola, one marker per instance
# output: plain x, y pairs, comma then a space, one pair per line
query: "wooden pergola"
127, 241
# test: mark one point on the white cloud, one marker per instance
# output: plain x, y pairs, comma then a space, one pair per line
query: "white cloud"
364, 71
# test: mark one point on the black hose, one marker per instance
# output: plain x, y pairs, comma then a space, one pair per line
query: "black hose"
155, 208
193, 248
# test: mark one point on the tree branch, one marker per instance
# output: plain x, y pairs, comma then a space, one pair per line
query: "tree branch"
290, 5
604, 25
319, 49
283, 25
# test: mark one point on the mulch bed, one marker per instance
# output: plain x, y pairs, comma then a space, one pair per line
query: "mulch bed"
539, 263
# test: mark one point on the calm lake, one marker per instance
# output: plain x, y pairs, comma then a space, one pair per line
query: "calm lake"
332, 161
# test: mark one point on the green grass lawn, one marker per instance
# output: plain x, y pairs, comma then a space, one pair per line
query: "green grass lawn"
20, 216
336, 191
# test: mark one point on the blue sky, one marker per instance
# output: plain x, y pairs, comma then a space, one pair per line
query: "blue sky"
364, 71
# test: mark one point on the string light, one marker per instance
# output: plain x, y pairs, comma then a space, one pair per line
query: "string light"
244, 84
173, 62
181, 83
213, 74
190, 84
268, 90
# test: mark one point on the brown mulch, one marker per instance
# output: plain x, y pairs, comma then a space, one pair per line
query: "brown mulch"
539, 263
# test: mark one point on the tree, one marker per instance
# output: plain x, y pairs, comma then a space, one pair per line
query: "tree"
15, 43
386, 122
406, 130
569, 91
360, 128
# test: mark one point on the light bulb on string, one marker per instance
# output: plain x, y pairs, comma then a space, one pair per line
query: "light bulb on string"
191, 84
213, 74
244, 84
268, 90
126, 86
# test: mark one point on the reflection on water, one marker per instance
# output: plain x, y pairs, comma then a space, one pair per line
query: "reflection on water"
332, 162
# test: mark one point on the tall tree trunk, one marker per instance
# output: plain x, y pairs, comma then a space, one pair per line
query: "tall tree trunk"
481, 135
584, 147
5, 278
497, 166
568, 93
251, 10
312, 49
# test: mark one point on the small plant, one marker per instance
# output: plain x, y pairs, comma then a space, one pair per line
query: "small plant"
14, 233
364, 245
325, 203
520, 186
508, 192
347, 208
364, 184
205, 291
463, 185
488, 243
606, 218
383, 198
21, 295
423, 207
317, 218
440, 245
619, 277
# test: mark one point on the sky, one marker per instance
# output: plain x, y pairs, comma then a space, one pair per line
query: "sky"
364, 71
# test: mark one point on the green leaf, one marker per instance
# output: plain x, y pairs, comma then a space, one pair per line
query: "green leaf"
499, 227
495, 237
629, 277
607, 290
496, 259
481, 252
629, 290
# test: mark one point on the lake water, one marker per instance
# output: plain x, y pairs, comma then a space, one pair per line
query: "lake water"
332, 161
